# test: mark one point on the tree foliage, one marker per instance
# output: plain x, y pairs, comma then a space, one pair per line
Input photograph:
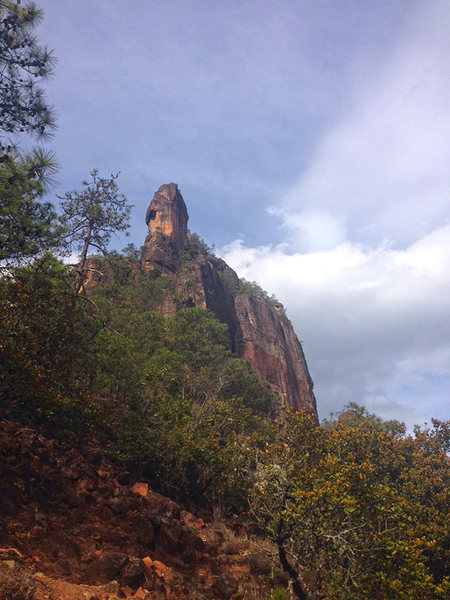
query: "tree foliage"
356, 511
43, 346
27, 225
23, 64
195, 246
177, 400
91, 216
355, 414
239, 286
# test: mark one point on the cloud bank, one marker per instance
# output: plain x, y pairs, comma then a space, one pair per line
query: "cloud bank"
375, 322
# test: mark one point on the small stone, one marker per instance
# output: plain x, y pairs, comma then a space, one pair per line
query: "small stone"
113, 587
140, 488
160, 568
190, 520
126, 591
147, 563
133, 573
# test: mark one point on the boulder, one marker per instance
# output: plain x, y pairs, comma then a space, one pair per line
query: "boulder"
225, 586
259, 563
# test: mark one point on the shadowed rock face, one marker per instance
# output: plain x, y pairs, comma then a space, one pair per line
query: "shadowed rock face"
259, 330
266, 338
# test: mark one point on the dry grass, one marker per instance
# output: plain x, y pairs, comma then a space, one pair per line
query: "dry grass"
16, 583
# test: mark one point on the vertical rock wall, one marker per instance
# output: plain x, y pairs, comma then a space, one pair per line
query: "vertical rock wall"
266, 338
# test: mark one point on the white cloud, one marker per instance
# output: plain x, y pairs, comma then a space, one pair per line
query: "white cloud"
311, 231
375, 321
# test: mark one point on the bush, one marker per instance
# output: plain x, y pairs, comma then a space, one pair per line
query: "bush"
195, 247
240, 286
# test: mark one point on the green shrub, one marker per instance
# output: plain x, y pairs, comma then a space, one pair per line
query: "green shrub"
195, 247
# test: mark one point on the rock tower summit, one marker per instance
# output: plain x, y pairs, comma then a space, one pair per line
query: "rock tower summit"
166, 219
259, 329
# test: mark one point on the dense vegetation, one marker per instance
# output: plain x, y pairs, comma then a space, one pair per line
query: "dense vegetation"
165, 389
356, 508
241, 286
363, 507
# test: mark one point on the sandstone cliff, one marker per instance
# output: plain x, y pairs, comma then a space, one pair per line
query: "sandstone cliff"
259, 329
266, 338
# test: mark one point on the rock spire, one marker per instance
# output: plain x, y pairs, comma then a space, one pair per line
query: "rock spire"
166, 219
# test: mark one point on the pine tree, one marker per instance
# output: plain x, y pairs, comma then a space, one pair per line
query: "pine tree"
91, 216
27, 226
23, 64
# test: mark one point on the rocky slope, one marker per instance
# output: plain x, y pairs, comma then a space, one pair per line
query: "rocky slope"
73, 527
259, 329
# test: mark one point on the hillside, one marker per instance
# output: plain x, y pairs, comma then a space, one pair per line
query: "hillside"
159, 439
159, 435
79, 528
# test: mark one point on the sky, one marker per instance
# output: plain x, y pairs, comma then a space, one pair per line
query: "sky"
311, 142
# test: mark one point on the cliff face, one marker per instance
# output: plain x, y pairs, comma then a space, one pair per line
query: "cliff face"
266, 338
259, 330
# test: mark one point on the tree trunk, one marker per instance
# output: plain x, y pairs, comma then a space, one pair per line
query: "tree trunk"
287, 568
79, 284
285, 564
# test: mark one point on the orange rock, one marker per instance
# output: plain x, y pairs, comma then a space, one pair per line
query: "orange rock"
126, 591
162, 570
140, 488
187, 518
167, 226
140, 593
147, 563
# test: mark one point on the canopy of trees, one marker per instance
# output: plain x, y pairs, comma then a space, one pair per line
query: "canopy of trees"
356, 510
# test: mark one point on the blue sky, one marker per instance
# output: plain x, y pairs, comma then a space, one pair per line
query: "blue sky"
310, 140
